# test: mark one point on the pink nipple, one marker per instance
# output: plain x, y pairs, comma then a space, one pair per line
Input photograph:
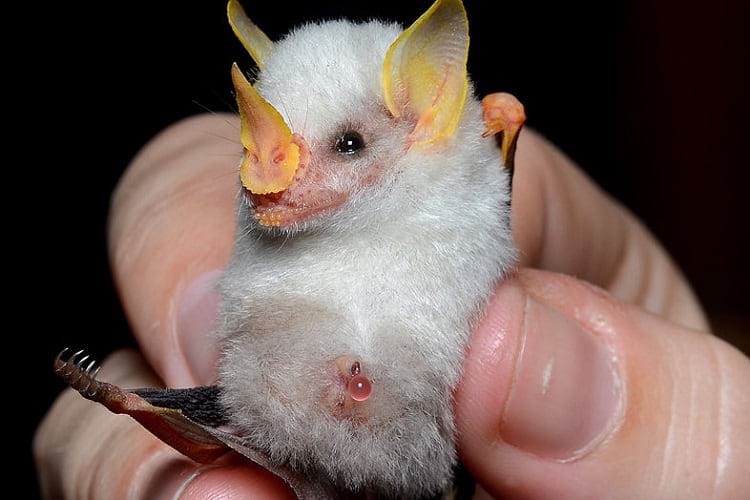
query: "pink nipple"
359, 388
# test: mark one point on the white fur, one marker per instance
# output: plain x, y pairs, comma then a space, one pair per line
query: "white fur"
395, 277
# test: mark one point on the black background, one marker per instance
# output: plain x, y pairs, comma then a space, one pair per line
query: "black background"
649, 97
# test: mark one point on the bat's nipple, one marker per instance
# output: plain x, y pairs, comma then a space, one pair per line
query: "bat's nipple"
359, 388
357, 385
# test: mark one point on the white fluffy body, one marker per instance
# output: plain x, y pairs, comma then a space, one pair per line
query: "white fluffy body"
394, 278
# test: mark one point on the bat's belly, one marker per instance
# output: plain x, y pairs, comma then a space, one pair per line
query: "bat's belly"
385, 310
346, 361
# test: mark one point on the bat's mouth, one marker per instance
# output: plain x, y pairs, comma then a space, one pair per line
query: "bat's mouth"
275, 210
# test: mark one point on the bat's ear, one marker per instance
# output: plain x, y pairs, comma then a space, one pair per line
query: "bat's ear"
424, 73
255, 41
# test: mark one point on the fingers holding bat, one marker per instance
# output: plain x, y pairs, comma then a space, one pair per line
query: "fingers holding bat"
172, 229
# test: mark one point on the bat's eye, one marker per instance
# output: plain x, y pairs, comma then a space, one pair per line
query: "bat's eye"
349, 143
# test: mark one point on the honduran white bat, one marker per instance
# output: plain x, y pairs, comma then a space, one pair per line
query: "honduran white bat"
373, 224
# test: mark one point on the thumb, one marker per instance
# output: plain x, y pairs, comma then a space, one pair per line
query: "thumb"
568, 393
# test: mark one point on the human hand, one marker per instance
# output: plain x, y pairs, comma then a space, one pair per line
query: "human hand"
576, 391
171, 232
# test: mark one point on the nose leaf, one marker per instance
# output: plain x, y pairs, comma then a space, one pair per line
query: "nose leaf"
272, 153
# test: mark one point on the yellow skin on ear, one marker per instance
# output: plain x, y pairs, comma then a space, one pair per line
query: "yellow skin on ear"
424, 72
253, 39
272, 154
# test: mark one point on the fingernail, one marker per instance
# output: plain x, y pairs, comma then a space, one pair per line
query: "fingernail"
196, 317
169, 481
235, 482
567, 394
164, 475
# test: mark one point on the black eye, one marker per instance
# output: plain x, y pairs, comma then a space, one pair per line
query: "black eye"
349, 143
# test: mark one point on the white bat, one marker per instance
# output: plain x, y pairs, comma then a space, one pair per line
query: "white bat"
373, 225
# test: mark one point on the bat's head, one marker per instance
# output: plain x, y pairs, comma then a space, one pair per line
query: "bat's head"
350, 125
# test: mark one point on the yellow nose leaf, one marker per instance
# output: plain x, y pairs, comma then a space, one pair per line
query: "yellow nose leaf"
266, 177
271, 157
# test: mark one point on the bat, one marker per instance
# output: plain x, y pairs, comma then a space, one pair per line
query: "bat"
373, 224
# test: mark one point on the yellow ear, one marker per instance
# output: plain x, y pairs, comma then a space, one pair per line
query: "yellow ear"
424, 72
255, 41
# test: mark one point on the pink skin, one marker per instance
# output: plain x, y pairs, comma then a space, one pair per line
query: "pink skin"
349, 390
282, 211
359, 388
309, 195
305, 198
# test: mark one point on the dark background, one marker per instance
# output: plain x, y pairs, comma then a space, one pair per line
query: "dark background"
649, 97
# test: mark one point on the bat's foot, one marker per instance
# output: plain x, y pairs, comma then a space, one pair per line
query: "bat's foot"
168, 424
504, 114
79, 370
